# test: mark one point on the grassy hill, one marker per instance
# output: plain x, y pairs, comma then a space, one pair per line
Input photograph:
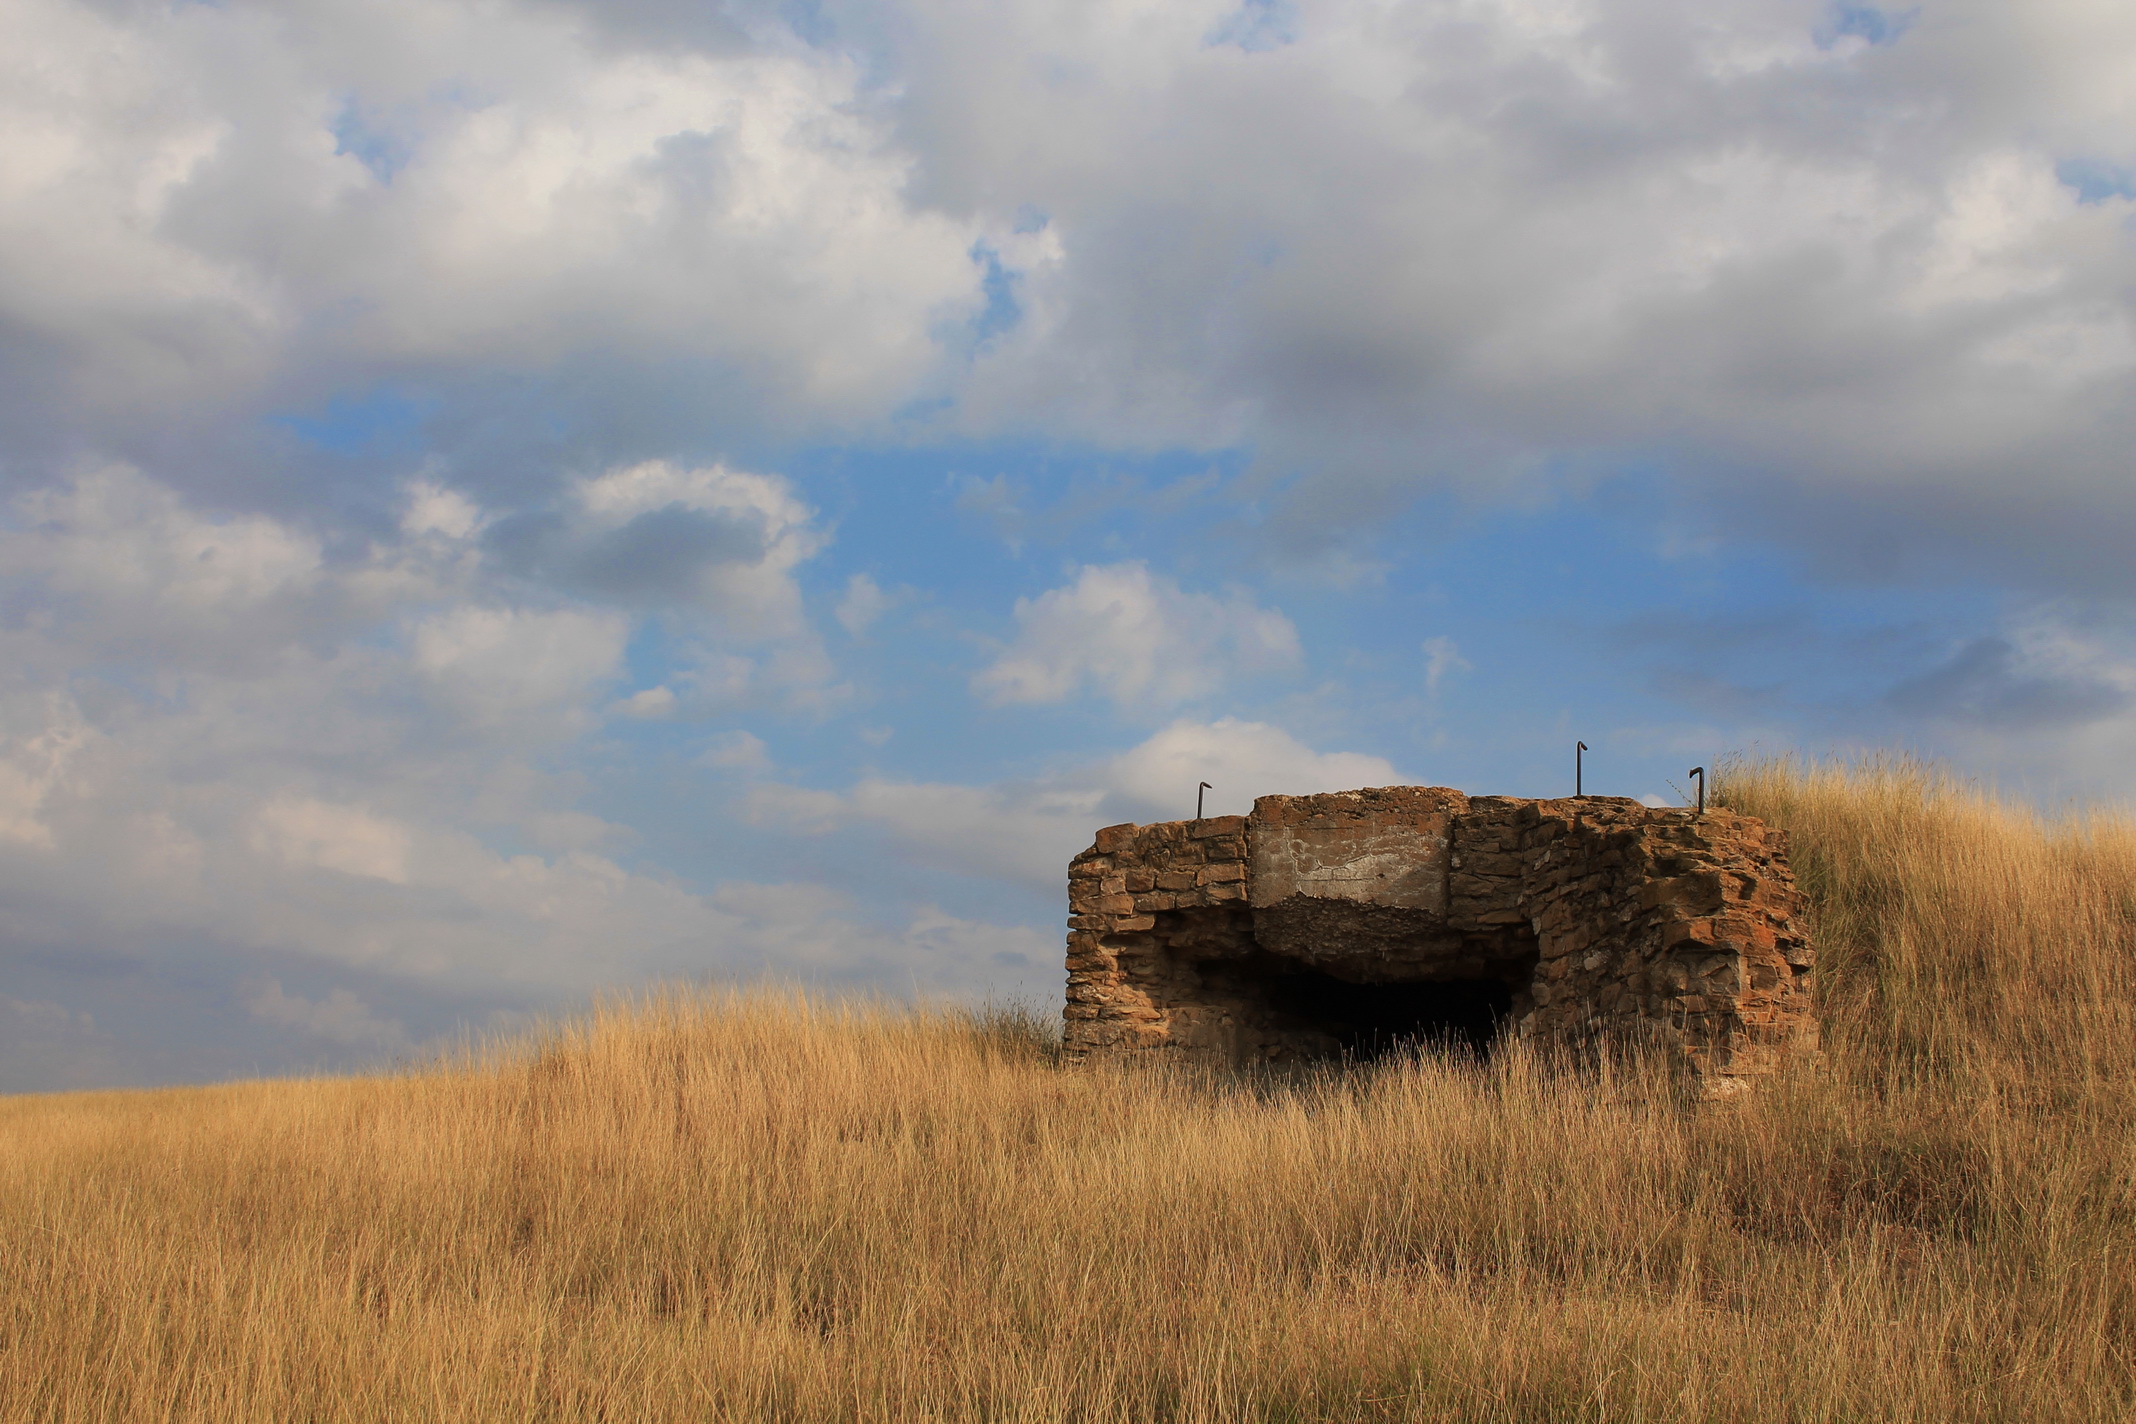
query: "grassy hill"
762, 1207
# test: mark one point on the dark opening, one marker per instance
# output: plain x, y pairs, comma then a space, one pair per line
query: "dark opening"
1373, 1020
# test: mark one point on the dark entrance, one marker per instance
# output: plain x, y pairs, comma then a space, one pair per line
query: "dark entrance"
1373, 1020
1362, 1022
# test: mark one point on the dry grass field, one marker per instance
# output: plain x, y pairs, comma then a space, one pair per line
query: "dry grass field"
761, 1207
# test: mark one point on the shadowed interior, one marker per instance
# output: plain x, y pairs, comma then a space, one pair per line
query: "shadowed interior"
1322, 1015
1372, 1020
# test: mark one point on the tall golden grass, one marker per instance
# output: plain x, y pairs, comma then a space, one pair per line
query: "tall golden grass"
762, 1206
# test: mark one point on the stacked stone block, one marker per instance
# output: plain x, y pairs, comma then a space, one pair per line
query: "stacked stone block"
1660, 924
1146, 904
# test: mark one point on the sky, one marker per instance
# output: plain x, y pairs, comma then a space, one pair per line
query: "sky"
509, 501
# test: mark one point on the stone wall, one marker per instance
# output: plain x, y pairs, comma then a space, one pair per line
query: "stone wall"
1350, 922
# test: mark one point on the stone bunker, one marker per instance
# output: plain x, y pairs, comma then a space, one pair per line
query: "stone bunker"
1355, 923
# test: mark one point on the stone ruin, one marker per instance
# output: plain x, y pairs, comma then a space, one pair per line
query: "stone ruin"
1353, 923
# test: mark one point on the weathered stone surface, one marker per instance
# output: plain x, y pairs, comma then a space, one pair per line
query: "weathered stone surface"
1387, 846
1324, 924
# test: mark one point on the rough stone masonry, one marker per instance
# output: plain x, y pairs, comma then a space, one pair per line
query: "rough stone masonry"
1356, 921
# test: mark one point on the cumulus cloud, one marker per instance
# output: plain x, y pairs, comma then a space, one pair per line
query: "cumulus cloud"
500, 662
1025, 831
136, 569
208, 200
651, 703
383, 878
433, 509
863, 604
340, 1018
2043, 679
1135, 637
817, 933
1826, 271
1241, 759
32, 766
1458, 244
1442, 659
737, 751
336, 792
2042, 698
221, 836
2045, 702
709, 554
660, 535
344, 838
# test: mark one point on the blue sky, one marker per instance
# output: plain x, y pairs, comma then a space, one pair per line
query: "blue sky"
504, 503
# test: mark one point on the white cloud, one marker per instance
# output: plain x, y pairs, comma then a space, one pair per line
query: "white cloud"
864, 603
201, 198
1137, 638
498, 663
138, 568
2046, 702
1241, 760
737, 751
31, 767
709, 553
225, 836
1442, 659
650, 704
1801, 271
434, 510
226, 866
344, 838
340, 1017
815, 933
1026, 831
1740, 245
726, 539
2045, 670
1794, 267
359, 777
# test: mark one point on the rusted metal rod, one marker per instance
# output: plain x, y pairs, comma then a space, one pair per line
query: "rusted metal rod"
1577, 770
1700, 773
1205, 786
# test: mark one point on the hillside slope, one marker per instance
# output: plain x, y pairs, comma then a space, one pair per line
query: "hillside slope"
756, 1206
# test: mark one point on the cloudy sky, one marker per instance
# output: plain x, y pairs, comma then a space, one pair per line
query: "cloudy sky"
507, 499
